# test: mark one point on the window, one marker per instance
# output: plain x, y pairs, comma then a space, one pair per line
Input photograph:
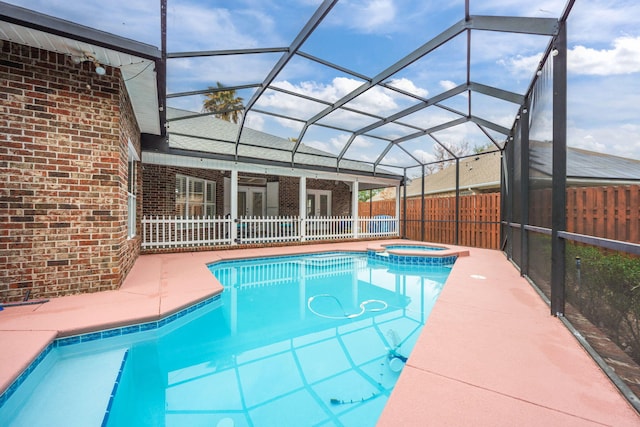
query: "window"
132, 178
195, 197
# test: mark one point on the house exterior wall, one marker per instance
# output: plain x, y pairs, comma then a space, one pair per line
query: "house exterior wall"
159, 183
159, 188
64, 135
290, 195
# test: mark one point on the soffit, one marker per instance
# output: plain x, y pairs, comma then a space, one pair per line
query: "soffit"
136, 61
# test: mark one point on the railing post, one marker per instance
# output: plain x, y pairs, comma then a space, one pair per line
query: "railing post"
302, 207
354, 210
233, 230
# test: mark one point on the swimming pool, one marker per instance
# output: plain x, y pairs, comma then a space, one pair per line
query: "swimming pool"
305, 340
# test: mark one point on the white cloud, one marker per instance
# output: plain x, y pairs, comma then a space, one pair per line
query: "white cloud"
339, 142
596, 20
330, 92
255, 121
186, 21
621, 140
447, 84
521, 65
409, 86
361, 142
376, 100
424, 156
366, 16
333, 144
623, 58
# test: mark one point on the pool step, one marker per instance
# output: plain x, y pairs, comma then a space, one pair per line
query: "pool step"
76, 391
329, 260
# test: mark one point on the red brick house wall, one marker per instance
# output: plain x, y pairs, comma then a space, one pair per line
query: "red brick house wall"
64, 135
289, 190
159, 187
160, 184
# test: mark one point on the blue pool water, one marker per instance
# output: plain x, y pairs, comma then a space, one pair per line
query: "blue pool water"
315, 340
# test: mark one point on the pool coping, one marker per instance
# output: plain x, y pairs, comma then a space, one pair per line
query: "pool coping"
485, 314
447, 251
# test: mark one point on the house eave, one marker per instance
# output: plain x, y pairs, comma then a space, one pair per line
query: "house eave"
206, 161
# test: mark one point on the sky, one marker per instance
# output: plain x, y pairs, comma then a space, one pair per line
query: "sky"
367, 36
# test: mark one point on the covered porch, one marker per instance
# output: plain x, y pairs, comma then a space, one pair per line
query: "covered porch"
201, 188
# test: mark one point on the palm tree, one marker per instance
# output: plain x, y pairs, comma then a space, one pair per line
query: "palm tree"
223, 103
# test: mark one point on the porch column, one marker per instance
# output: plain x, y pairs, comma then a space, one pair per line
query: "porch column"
234, 206
398, 208
354, 208
303, 207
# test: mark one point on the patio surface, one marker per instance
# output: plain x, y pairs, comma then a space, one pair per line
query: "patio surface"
491, 355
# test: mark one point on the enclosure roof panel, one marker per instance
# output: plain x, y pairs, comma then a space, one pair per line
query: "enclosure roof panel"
330, 82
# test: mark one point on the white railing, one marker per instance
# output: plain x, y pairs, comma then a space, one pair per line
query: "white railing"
329, 228
378, 226
268, 229
175, 232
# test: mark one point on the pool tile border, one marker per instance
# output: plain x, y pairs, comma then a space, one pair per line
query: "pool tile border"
105, 419
93, 336
426, 259
412, 259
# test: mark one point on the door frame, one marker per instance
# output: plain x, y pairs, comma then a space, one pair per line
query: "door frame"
250, 191
317, 194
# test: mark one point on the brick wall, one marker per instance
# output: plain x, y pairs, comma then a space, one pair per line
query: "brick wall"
289, 195
63, 167
160, 183
159, 187
129, 249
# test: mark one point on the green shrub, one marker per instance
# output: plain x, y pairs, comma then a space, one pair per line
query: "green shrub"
606, 290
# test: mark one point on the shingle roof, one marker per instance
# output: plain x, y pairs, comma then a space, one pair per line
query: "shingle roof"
584, 164
212, 135
477, 172
482, 172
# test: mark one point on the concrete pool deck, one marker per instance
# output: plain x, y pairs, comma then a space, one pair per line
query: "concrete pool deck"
491, 354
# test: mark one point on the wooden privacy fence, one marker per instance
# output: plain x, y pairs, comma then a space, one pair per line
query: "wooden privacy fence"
478, 222
610, 212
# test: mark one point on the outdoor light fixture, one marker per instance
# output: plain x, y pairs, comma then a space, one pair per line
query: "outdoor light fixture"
100, 69
85, 57
554, 52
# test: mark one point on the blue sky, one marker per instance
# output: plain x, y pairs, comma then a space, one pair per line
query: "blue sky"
367, 36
